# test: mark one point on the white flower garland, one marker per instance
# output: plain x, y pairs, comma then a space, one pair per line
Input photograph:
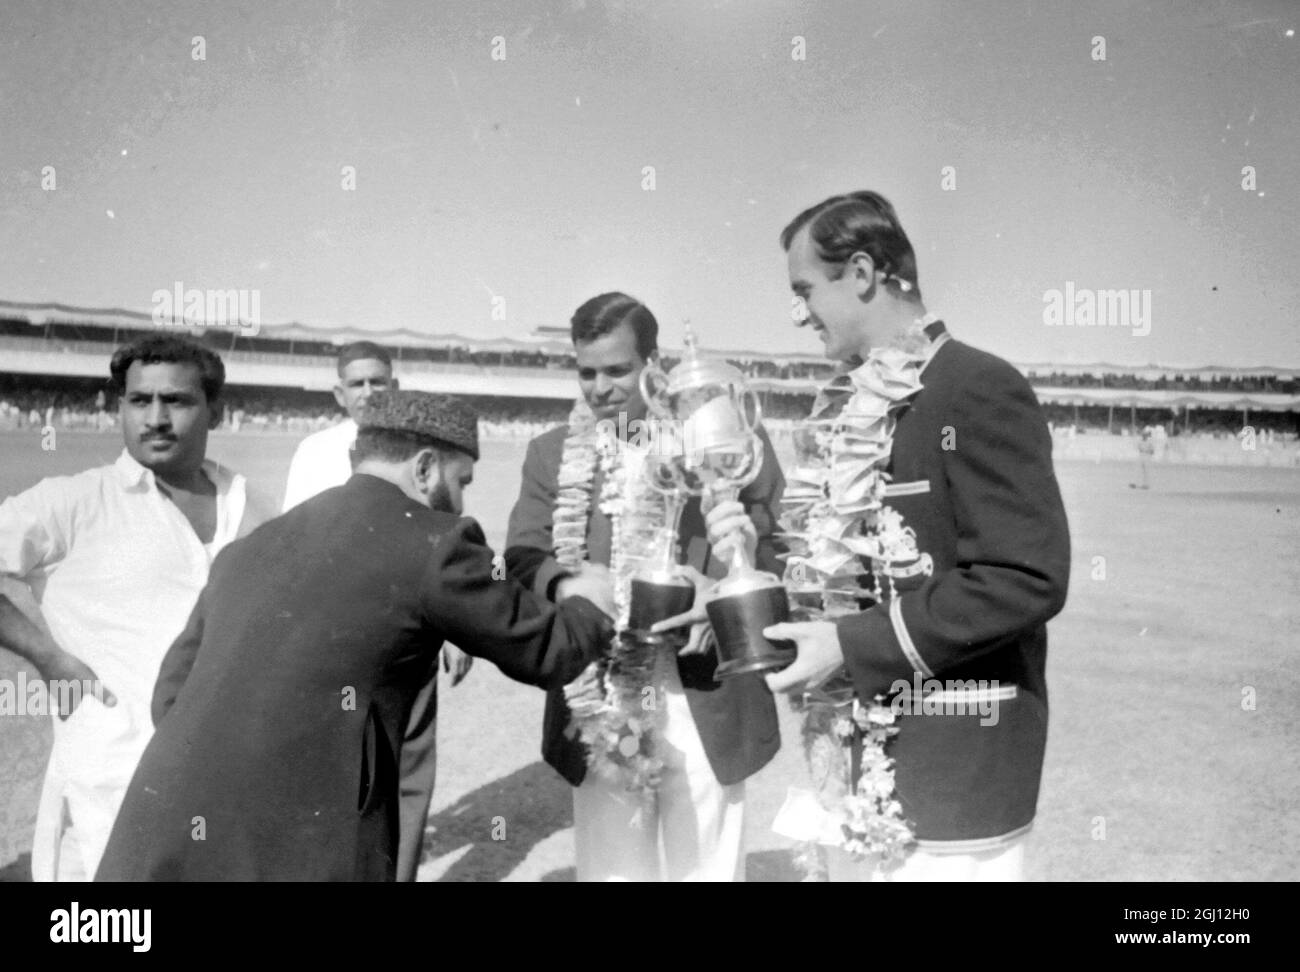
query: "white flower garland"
611, 711
834, 515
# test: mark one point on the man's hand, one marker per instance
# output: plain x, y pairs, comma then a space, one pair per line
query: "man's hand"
729, 527
594, 582
68, 678
820, 657
701, 640
456, 662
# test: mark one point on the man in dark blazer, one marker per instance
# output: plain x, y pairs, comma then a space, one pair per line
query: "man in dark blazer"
716, 734
280, 709
971, 474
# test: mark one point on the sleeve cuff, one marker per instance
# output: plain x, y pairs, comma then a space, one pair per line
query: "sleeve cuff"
878, 650
548, 575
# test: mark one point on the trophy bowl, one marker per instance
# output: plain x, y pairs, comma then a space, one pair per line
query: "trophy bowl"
711, 416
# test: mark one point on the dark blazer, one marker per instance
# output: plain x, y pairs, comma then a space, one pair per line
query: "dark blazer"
280, 709
736, 719
972, 475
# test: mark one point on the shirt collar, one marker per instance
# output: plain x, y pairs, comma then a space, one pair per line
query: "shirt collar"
934, 329
132, 475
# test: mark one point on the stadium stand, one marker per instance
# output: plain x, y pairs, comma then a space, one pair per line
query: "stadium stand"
54, 363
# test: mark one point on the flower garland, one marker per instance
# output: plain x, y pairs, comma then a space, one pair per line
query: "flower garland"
610, 709
834, 515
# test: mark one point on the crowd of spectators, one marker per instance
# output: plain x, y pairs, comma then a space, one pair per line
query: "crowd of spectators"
1216, 423
76, 404
84, 403
1245, 384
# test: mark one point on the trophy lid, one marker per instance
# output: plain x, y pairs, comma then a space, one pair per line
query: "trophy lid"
697, 372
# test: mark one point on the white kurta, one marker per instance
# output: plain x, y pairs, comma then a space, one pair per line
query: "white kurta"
116, 568
320, 462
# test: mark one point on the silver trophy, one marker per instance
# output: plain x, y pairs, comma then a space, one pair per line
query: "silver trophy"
707, 441
661, 589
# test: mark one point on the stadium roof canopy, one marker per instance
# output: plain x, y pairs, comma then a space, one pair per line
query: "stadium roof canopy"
38, 315
555, 340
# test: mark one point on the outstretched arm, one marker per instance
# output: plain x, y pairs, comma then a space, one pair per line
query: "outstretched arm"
527, 637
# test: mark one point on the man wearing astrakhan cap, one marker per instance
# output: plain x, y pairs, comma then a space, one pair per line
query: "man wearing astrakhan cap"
280, 708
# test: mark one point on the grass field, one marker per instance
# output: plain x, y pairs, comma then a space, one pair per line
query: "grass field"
1155, 768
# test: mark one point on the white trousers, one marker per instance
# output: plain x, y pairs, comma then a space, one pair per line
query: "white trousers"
1004, 864
695, 830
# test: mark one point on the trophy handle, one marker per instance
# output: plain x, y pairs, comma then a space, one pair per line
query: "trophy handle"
654, 388
751, 408
754, 466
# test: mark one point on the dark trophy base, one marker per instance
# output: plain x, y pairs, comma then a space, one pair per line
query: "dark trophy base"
738, 621
654, 601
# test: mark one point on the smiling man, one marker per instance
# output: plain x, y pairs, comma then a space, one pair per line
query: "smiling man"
116, 557
970, 479
713, 735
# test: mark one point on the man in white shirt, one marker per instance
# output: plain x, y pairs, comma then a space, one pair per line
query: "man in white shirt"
322, 461
116, 557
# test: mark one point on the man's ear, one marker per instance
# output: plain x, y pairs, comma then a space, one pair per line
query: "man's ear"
338, 397
215, 412
392, 383
425, 467
863, 269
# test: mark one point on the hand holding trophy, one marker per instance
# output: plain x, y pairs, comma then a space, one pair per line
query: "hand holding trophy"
709, 440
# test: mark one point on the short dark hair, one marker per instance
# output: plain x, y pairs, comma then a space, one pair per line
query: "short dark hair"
395, 445
169, 349
858, 222
362, 351
600, 315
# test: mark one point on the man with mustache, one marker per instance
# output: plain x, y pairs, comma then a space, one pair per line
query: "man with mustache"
282, 705
116, 557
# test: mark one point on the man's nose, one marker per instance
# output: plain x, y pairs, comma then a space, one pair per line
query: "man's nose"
157, 416
603, 385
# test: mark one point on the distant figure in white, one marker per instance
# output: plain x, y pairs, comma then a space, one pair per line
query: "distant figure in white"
1146, 449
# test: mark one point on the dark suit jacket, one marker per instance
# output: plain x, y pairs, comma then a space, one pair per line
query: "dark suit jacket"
280, 708
972, 469
736, 719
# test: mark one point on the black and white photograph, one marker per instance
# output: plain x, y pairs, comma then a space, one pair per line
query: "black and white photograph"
679, 441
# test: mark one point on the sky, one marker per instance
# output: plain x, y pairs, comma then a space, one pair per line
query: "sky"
512, 160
